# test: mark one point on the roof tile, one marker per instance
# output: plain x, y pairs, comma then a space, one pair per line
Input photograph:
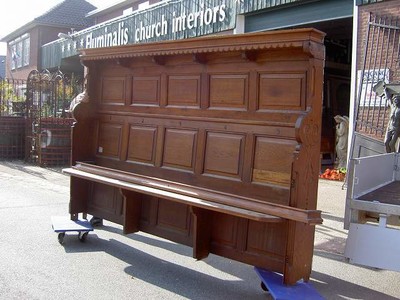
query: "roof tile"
69, 13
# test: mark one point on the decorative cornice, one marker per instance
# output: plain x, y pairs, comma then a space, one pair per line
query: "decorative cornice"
303, 39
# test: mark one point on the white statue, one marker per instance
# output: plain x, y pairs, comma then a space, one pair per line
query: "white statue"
82, 97
342, 133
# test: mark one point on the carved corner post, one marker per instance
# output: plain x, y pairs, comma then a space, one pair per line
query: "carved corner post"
299, 250
79, 188
305, 171
82, 133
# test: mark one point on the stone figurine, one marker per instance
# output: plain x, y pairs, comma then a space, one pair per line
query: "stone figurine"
393, 127
342, 133
392, 94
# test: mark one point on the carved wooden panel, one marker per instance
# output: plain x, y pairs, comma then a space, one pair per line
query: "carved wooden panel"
103, 197
225, 234
106, 201
267, 238
184, 90
142, 144
109, 139
179, 148
165, 218
146, 90
224, 154
282, 91
271, 162
113, 90
148, 216
229, 91
173, 216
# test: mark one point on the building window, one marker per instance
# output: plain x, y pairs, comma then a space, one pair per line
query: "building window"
143, 5
26, 51
127, 11
20, 52
13, 57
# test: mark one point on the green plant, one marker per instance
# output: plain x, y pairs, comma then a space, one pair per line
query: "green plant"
8, 92
12, 97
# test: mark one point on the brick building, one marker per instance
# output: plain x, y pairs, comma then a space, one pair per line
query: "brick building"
376, 57
24, 43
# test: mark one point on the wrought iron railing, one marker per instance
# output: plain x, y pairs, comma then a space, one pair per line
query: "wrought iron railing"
34, 120
49, 122
380, 62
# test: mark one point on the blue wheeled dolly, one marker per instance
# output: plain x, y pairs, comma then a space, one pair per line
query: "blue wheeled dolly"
64, 224
273, 283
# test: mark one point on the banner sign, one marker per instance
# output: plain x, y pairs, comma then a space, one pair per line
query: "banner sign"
367, 96
169, 20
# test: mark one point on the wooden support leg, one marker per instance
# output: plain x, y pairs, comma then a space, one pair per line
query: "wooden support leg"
78, 197
132, 211
299, 252
201, 232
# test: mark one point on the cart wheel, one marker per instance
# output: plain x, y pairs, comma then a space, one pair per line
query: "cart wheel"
95, 221
264, 287
82, 236
61, 236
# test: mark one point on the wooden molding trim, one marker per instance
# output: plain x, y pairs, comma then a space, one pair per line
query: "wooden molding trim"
297, 38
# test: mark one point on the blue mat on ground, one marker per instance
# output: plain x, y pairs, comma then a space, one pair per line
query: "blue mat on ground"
279, 291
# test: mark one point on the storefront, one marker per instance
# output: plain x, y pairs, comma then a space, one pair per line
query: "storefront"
166, 20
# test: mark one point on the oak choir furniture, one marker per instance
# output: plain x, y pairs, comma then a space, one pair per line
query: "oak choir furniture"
210, 142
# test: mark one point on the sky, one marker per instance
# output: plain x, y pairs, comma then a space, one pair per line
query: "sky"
16, 13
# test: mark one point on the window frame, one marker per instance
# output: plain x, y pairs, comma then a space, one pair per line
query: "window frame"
20, 51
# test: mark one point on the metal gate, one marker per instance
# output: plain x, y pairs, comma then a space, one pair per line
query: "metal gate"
49, 123
380, 61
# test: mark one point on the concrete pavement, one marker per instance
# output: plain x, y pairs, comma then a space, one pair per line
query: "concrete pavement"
110, 265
